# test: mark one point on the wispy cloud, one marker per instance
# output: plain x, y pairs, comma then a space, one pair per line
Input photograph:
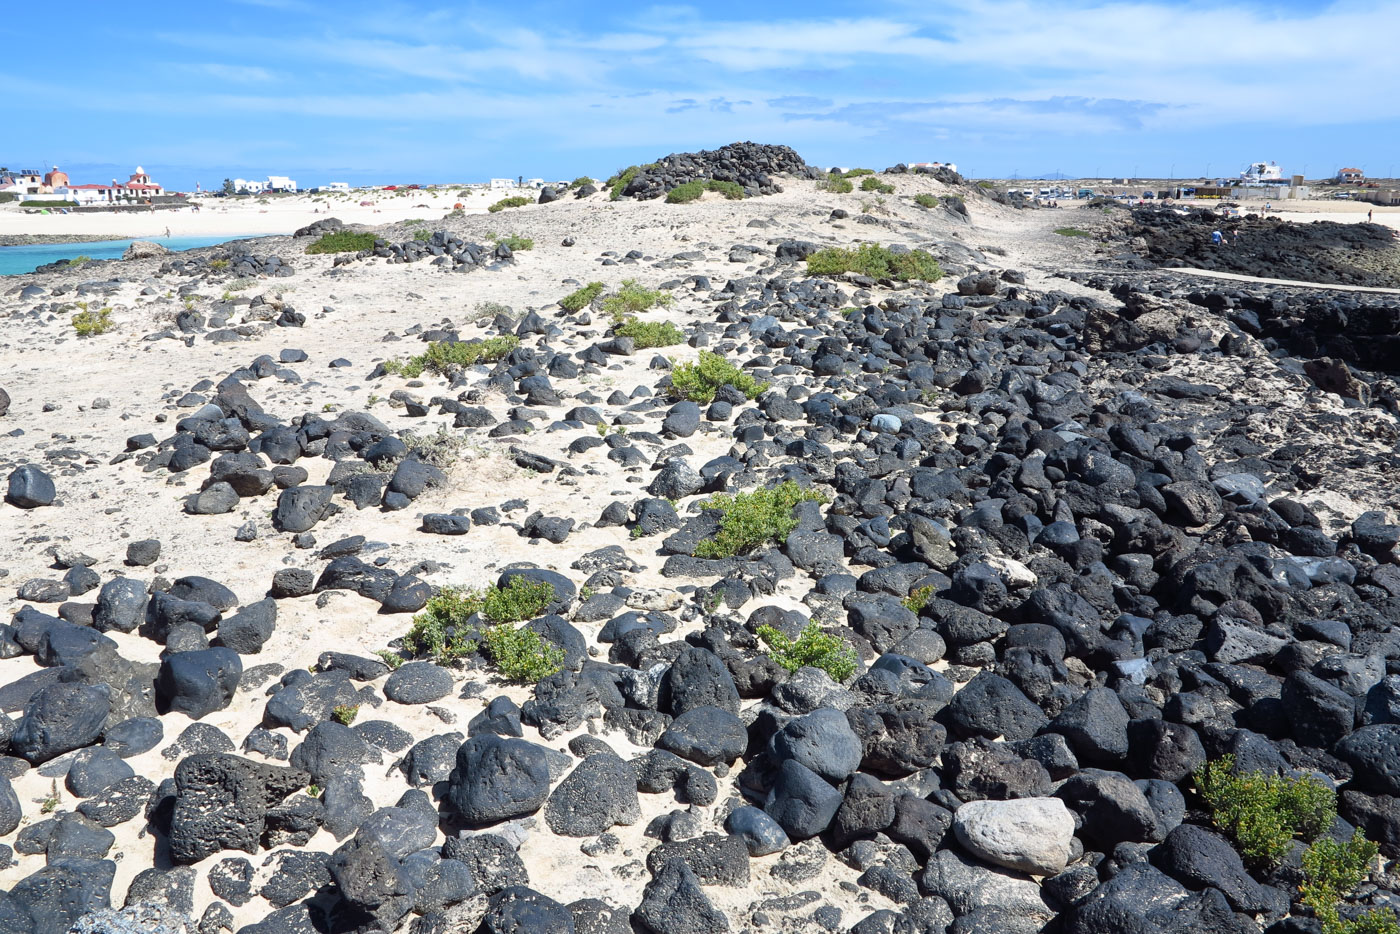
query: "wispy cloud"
234, 74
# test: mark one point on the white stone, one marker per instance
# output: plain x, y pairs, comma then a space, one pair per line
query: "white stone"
1032, 835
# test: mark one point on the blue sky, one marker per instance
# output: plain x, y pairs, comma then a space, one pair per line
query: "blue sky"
385, 91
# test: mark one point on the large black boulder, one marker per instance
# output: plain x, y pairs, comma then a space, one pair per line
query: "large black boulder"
498, 779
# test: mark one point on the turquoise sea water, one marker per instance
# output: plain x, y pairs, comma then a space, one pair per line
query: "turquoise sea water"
15, 260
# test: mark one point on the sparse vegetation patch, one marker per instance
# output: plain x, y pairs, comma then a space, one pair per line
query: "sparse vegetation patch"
748, 520
811, 649
342, 241
443, 357
699, 381
874, 261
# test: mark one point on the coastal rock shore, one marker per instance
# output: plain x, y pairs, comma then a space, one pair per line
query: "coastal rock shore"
801, 561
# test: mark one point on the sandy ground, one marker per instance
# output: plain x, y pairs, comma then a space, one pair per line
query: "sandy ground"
250, 215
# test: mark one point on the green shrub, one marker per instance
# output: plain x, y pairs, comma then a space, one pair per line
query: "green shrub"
218, 264
835, 183
918, 599
699, 381
1072, 232
522, 655
811, 649
874, 261
871, 183
619, 182
1263, 813
748, 520
517, 201
89, 323
79, 260
344, 714
422, 236
630, 299
581, 298
857, 173
342, 241
925, 201
392, 659
442, 448
519, 600
580, 181
413, 222
1331, 872
49, 204
440, 630
649, 334
445, 356
692, 190
515, 242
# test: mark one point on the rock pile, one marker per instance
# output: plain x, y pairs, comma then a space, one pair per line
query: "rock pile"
1270, 247
751, 165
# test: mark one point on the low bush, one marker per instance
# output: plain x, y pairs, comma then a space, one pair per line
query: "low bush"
699, 381
1263, 813
218, 264
581, 298
748, 520
649, 334
619, 182
413, 222
580, 181
443, 357
422, 236
630, 299
442, 448
342, 241
345, 714
517, 201
874, 261
917, 599
692, 190
49, 204
515, 242
857, 173
1072, 232
522, 655
79, 260
89, 323
835, 183
393, 659
440, 630
926, 201
811, 649
871, 183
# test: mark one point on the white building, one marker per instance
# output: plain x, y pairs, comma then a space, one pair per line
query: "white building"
1262, 173
336, 186
280, 183
950, 166
248, 186
535, 183
502, 183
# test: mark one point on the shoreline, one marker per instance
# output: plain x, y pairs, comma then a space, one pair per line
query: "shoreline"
38, 239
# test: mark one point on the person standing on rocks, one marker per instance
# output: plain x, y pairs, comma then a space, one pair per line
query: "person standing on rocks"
1216, 237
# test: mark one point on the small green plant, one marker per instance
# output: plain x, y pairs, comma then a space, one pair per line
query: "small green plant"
925, 201
373, 400
580, 181
218, 264
630, 299
918, 599
342, 241
875, 261
519, 600
649, 334
699, 381
440, 630
313, 791
1072, 232
1331, 871
189, 302
811, 649
79, 260
748, 520
442, 448
421, 236
51, 802
857, 173
619, 182
582, 298
692, 190
871, 183
444, 357
89, 323
515, 242
413, 222
835, 183
344, 714
516, 201
1263, 813
392, 659
522, 655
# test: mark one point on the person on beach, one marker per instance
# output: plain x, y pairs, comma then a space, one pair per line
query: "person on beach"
167, 233
1368, 215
